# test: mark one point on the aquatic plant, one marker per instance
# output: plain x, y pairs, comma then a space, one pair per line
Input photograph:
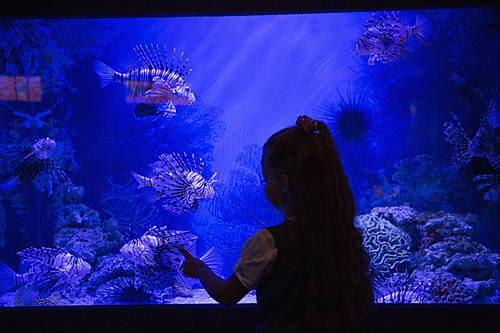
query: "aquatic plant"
351, 120
240, 207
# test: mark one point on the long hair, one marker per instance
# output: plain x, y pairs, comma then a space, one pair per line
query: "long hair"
338, 289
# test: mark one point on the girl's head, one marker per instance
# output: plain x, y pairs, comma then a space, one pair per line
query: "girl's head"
301, 166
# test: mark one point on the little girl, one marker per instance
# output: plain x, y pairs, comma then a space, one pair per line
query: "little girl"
311, 271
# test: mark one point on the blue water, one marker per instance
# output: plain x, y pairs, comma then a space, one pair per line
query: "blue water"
252, 76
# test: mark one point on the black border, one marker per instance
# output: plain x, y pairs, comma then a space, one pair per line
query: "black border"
240, 318
215, 318
135, 8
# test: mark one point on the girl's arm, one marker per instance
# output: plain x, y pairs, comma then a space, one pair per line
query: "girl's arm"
226, 292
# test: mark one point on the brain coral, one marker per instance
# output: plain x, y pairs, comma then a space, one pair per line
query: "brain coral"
387, 245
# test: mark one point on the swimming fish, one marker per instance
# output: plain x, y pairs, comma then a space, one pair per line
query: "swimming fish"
485, 144
34, 164
16, 59
8, 185
161, 87
157, 259
44, 270
388, 38
492, 182
28, 297
465, 89
177, 182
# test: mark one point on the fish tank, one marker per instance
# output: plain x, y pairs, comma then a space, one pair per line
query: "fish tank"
123, 137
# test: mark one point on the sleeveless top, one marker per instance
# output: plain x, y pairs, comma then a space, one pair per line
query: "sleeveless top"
280, 297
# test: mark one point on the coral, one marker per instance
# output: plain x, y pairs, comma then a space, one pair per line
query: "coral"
430, 238
85, 243
416, 173
108, 267
77, 216
421, 184
403, 217
33, 121
387, 245
452, 224
462, 257
129, 213
449, 290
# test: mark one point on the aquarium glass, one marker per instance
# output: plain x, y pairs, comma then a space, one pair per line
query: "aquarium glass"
124, 138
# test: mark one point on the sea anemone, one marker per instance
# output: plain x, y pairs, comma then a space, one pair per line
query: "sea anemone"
128, 290
352, 119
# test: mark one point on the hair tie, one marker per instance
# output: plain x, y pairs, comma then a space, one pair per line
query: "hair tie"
307, 124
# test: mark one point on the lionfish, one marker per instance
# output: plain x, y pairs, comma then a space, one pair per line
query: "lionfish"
28, 297
492, 182
160, 86
32, 164
485, 144
158, 261
465, 89
44, 270
388, 38
178, 182
16, 58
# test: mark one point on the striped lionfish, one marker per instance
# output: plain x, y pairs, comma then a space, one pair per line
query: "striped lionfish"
465, 90
492, 182
158, 261
178, 182
16, 58
388, 38
28, 297
485, 144
160, 86
32, 164
44, 270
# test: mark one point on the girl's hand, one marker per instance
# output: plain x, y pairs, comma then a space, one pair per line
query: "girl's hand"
191, 264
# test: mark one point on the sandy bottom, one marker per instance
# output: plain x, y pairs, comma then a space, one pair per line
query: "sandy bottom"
200, 296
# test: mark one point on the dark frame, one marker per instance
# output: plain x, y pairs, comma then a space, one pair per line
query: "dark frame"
215, 318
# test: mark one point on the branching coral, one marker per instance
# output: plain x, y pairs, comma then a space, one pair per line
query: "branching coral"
127, 207
414, 173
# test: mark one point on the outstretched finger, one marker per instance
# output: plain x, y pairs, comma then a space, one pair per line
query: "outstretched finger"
185, 253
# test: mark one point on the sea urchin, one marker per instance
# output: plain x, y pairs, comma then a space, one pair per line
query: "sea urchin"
128, 291
351, 120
